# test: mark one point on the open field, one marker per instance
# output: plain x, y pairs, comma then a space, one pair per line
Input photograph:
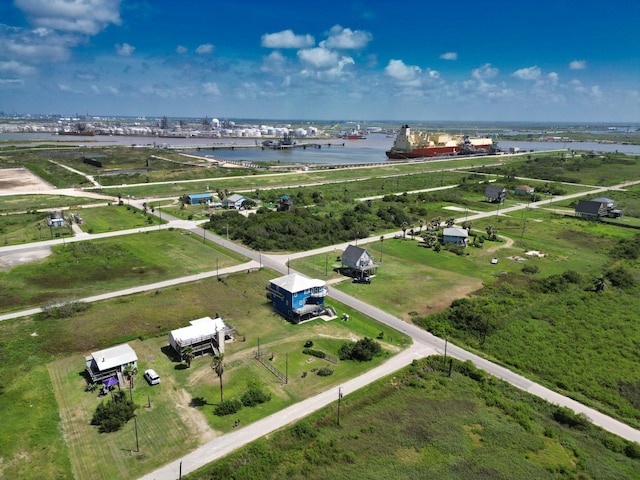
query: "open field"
421, 424
83, 269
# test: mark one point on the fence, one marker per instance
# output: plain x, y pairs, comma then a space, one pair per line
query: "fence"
260, 356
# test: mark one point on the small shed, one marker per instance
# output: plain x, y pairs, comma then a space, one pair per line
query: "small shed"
524, 190
495, 194
359, 261
455, 236
55, 219
110, 362
284, 203
199, 198
202, 335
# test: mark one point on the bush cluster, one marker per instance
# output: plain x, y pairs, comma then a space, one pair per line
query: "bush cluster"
325, 371
315, 353
112, 415
363, 350
228, 407
255, 396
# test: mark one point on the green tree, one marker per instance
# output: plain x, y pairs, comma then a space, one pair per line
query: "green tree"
218, 366
129, 372
187, 355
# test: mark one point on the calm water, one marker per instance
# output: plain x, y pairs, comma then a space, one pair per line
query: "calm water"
341, 151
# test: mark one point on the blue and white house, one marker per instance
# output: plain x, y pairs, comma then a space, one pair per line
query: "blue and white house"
296, 297
456, 236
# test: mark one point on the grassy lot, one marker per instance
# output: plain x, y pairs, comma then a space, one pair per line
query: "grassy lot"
82, 269
26, 345
22, 228
115, 217
28, 203
420, 424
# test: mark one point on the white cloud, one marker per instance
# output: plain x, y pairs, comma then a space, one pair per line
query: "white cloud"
15, 67
553, 78
273, 63
204, 49
125, 50
529, 73
318, 57
346, 39
578, 65
286, 39
180, 49
211, 89
77, 16
400, 72
484, 72
11, 81
449, 56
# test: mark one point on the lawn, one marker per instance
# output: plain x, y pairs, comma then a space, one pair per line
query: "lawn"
115, 217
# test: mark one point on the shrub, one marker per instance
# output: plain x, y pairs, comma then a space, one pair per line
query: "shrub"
228, 407
568, 417
363, 350
325, 371
530, 269
112, 415
255, 396
308, 344
315, 353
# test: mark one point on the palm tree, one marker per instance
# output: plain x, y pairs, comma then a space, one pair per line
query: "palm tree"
218, 367
404, 229
129, 372
381, 240
421, 221
600, 284
187, 355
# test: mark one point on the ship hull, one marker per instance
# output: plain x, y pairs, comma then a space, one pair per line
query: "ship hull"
422, 153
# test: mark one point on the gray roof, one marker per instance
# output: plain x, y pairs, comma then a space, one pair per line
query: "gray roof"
602, 200
494, 192
455, 232
353, 254
589, 207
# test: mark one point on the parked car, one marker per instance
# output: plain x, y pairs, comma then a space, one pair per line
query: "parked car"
152, 377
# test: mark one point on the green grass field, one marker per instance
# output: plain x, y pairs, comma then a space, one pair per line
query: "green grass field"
421, 424
82, 269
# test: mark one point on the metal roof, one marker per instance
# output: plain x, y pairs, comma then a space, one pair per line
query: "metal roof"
114, 357
455, 232
295, 282
198, 329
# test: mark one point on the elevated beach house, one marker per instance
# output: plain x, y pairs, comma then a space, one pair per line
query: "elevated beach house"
598, 208
204, 335
110, 362
456, 236
359, 262
296, 297
495, 194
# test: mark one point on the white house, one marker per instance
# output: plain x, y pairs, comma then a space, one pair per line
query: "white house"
455, 235
110, 362
203, 334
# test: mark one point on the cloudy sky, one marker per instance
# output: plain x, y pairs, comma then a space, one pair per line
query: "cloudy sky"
551, 60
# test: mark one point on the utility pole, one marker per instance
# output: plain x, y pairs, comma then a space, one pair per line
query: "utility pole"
135, 420
339, 398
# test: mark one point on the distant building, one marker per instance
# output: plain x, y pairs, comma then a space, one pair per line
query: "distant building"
284, 204
198, 198
296, 297
495, 194
234, 201
524, 190
55, 219
598, 208
455, 236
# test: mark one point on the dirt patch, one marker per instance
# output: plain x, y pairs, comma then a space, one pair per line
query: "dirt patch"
21, 180
11, 259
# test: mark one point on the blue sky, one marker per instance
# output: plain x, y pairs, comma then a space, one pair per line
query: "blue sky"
575, 61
